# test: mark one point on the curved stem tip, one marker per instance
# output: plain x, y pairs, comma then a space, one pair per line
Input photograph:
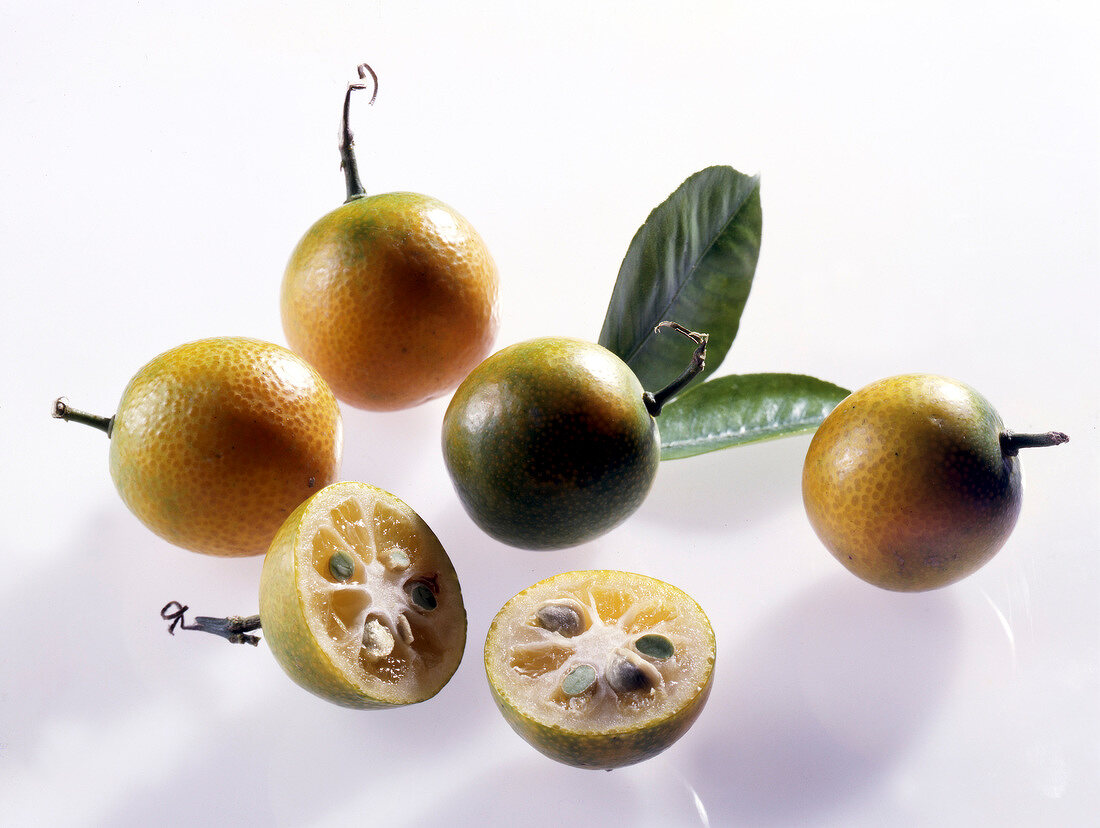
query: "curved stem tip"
233, 629
347, 151
1012, 443
655, 402
63, 411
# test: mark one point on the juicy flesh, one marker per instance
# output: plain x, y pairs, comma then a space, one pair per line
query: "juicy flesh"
369, 622
537, 660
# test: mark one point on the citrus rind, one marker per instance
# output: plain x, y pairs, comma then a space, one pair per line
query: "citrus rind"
549, 444
216, 441
907, 485
393, 298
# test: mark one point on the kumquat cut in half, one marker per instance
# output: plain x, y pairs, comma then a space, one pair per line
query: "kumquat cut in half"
359, 601
600, 669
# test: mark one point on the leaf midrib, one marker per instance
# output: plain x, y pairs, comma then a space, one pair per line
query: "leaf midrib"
691, 272
789, 426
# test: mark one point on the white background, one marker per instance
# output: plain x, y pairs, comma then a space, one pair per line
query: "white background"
930, 185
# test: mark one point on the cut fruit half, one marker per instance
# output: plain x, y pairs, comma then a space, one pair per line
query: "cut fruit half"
359, 602
600, 669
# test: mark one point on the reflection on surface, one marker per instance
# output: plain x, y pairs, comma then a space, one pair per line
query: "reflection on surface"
824, 698
696, 800
1003, 621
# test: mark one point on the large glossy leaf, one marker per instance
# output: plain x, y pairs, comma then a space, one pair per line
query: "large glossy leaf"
692, 262
734, 410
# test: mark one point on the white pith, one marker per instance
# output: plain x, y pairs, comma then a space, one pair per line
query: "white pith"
673, 681
368, 624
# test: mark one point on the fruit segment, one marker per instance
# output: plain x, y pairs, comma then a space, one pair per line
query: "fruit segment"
362, 604
600, 668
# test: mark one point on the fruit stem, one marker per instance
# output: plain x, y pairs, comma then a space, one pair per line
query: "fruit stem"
62, 411
233, 629
1012, 443
655, 402
347, 149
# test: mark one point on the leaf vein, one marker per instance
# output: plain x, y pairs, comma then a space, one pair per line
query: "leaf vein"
693, 269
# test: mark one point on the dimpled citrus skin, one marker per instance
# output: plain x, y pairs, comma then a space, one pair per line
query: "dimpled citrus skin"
605, 751
549, 444
215, 442
393, 298
906, 483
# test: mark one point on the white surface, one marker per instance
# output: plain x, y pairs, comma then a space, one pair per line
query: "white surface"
930, 186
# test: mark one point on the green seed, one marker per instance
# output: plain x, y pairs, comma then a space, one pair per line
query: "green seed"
341, 566
423, 597
655, 646
579, 679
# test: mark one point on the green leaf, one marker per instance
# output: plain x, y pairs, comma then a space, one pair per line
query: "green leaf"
692, 262
747, 408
